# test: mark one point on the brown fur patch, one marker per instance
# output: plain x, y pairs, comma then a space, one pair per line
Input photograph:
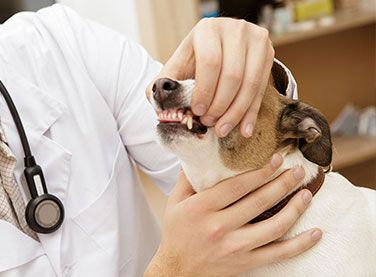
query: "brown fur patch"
239, 153
279, 125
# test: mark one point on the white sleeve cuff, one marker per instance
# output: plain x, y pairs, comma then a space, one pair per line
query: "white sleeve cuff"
292, 89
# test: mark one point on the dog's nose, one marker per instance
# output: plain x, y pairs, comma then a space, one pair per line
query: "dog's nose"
163, 87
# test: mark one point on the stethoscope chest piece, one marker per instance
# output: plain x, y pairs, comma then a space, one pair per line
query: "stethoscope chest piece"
44, 214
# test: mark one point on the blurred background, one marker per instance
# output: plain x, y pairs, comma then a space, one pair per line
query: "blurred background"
329, 45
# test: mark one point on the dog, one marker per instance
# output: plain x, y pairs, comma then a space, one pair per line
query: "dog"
300, 133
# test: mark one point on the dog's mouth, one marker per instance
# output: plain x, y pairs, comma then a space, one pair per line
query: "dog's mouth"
182, 118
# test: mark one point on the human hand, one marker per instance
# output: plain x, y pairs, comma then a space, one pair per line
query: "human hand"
208, 234
231, 61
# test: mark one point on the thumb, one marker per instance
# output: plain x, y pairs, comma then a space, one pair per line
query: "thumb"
182, 190
180, 66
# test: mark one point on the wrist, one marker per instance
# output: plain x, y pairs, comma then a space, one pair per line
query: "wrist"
162, 266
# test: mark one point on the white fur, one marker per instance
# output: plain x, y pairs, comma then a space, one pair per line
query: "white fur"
296, 159
200, 160
345, 213
347, 216
188, 86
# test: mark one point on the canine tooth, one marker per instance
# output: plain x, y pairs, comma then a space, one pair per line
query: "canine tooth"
190, 123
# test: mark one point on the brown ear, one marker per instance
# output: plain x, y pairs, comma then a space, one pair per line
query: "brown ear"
310, 130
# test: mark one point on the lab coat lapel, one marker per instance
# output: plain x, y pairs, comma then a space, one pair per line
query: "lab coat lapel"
38, 111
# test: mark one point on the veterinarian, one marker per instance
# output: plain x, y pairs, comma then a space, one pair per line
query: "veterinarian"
79, 90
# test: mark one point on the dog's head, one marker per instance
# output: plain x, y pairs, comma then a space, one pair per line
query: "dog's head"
283, 125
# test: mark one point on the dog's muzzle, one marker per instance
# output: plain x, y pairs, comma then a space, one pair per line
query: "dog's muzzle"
169, 98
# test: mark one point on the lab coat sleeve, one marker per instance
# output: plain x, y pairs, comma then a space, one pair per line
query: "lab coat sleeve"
121, 70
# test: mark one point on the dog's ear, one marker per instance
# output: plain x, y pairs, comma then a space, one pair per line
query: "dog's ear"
310, 129
280, 78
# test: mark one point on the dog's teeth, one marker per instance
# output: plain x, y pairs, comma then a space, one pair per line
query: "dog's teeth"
174, 115
184, 120
180, 115
190, 123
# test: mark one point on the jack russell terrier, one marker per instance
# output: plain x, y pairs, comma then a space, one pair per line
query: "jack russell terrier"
300, 133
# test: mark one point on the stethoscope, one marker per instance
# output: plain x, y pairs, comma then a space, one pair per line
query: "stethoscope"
44, 212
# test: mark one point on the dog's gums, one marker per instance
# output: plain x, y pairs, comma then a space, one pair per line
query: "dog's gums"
183, 117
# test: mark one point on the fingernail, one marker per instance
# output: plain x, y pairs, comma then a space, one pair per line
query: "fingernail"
276, 160
208, 120
316, 235
225, 129
307, 197
248, 130
199, 109
298, 173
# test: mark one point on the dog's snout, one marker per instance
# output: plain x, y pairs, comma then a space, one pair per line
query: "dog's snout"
163, 87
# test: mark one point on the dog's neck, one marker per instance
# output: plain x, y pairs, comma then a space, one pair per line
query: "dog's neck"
293, 159
204, 173
313, 186
204, 170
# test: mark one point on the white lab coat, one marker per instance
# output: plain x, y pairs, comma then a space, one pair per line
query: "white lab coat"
80, 91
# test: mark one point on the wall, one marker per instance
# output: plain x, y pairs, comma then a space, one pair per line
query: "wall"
34, 5
119, 15
164, 24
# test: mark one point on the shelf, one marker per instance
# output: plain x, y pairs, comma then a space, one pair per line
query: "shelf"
348, 151
343, 21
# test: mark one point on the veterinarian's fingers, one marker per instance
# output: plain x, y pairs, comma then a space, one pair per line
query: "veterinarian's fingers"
278, 251
275, 227
248, 122
258, 66
232, 189
182, 190
263, 198
231, 76
208, 57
